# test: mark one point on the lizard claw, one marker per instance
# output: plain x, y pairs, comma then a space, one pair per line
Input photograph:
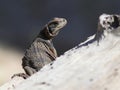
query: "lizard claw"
25, 76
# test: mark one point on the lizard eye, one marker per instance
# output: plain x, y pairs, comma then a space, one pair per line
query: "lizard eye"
52, 26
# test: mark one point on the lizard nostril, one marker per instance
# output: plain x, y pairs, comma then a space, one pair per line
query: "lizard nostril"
64, 20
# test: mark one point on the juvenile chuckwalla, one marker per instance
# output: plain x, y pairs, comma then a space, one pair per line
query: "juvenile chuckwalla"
42, 51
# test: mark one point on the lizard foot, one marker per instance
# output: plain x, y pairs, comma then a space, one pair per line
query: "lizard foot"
25, 76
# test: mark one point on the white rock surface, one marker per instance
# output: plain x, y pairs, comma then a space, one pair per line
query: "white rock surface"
11, 85
89, 67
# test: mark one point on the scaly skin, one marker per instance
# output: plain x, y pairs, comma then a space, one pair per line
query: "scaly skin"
42, 51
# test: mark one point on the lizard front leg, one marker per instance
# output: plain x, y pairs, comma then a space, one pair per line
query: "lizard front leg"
29, 71
23, 75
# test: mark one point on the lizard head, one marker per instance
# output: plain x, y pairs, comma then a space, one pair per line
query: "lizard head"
109, 21
54, 26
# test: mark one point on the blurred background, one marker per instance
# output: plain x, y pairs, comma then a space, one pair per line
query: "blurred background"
21, 21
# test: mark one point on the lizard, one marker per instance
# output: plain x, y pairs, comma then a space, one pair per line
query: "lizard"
42, 51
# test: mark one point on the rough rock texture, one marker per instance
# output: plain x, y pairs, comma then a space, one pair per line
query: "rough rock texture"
90, 67
11, 85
